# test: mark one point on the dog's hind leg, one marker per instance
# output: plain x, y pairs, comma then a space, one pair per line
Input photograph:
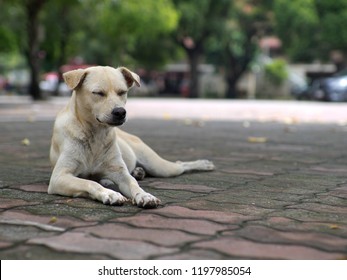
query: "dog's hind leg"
153, 164
156, 166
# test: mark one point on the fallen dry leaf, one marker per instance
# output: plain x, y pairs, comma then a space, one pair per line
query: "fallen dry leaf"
167, 116
257, 139
31, 119
290, 120
334, 227
197, 123
188, 122
53, 220
25, 142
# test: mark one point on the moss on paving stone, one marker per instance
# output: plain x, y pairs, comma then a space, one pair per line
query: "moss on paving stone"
311, 216
247, 199
237, 207
28, 196
22, 175
87, 214
260, 191
328, 199
222, 182
16, 233
173, 196
299, 226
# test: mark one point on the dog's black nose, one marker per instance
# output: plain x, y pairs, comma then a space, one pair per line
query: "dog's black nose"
119, 112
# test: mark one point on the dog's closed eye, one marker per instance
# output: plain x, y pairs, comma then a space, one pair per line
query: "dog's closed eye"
98, 92
122, 92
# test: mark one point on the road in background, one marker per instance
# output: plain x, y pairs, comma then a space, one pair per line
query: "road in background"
14, 108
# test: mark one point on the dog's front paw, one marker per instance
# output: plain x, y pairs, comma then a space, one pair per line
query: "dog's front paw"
112, 198
205, 165
146, 200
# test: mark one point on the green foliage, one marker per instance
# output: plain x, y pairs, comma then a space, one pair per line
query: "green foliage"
310, 29
297, 26
136, 32
276, 71
333, 22
200, 19
128, 17
109, 32
7, 40
11, 27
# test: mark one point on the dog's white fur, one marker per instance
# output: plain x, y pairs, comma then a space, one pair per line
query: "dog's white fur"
87, 148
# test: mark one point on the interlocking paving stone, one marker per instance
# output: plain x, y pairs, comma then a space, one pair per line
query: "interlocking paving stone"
239, 247
190, 188
4, 244
195, 226
316, 240
216, 216
79, 242
6, 203
58, 209
163, 237
59, 221
42, 188
286, 224
15, 233
38, 252
195, 254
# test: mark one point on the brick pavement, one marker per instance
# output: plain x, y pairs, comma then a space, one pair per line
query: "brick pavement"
280, 196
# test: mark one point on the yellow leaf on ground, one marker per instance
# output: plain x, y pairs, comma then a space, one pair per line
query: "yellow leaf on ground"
25, 142
257, 139
31, 119
53, 220
167, 116
334, 226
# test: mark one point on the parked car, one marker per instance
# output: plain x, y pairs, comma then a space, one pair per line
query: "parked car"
333, 88
298, 86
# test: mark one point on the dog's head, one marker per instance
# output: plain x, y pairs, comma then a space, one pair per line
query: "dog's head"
101, 92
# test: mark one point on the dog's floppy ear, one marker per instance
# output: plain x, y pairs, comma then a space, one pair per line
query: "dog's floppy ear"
74, 78
130, 77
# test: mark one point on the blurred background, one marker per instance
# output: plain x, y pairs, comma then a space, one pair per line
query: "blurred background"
245, 49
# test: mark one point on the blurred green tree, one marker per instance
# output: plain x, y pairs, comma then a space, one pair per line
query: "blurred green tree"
312, 29
223, 32
126, 31
297, 25
60, 21
103, 32
23, 26
32, 10
199, 21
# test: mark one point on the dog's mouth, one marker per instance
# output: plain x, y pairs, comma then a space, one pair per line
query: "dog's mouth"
116, 122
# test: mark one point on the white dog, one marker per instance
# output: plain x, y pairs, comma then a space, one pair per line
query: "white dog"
87, 148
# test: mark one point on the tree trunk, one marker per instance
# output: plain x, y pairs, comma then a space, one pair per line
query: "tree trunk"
65, 33
194, 57
34, 88
236, 65
33, 9
231, 92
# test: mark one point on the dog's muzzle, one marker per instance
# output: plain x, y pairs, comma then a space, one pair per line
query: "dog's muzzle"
118, 116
